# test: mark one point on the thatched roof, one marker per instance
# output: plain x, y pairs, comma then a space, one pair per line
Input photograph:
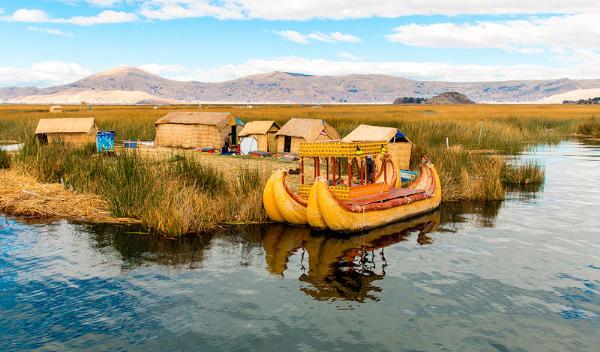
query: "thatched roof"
308, 129
219, 119
65, 125
367, 133
258, 127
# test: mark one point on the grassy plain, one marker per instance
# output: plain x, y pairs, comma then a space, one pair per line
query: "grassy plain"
192, 193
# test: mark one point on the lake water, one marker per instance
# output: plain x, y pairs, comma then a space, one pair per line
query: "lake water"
518, 275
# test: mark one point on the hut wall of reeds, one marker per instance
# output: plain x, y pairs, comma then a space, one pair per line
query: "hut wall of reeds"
297, 131
399, 147
264, 132
196, 129
72, 131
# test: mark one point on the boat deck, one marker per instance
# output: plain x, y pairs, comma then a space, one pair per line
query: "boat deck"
393, 193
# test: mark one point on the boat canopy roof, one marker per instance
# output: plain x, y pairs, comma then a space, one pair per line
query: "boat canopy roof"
341, 149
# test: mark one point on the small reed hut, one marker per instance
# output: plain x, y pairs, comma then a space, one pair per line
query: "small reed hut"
399, 146
72, 131
56, 109
197, 129
297, 131
264, 132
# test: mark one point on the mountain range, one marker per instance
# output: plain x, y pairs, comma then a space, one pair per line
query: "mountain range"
130, 85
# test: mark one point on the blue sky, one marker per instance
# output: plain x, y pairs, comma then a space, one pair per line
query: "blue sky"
57, 41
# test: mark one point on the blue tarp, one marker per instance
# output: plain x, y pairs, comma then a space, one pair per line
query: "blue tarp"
400, 136
105, 141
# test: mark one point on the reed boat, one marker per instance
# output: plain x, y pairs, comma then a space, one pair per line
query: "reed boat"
281, 203
351, 171
369, 160
374, 209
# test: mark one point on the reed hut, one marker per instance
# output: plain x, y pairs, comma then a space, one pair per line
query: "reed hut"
56, 109
197, 129
72, 131
297, 131
399, 147
264, 132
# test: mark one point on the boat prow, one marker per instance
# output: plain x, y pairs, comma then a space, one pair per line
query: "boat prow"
422, 196
281, 203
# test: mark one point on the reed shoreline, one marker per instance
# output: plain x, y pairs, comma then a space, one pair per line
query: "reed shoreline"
22, 196
184, 192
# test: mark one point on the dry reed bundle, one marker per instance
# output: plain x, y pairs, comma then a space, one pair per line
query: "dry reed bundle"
21, 195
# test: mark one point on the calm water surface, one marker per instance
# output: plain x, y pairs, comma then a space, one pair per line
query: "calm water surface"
522, 275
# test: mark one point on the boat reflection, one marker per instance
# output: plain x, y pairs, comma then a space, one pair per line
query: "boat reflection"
332, 266
343, 268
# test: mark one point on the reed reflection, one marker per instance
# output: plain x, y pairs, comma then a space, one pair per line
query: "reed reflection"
344, 268
332, 265
137, 248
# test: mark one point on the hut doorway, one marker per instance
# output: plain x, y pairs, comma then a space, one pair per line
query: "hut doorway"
42, 138
234, 135
287, 144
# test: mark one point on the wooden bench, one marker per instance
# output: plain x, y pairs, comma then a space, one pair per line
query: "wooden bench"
382, 197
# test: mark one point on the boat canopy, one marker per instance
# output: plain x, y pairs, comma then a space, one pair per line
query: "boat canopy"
341, 149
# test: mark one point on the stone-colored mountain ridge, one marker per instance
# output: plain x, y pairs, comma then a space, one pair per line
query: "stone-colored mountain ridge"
282, 87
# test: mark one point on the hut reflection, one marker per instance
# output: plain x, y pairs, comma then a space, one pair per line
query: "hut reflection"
341, 267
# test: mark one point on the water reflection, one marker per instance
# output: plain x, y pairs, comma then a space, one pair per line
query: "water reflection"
137, 249
481, 214
333, 266
341, 268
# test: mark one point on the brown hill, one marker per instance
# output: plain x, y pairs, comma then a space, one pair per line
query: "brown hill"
286, 87
449, 98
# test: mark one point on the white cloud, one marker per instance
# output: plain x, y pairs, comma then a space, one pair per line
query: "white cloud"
104, 17
27, 15
103, 3
333, 37
52, 31
293, 36
174, 9
337, 9
527, 36
97, 3
342, 37
530, 51
40, 16
42, 74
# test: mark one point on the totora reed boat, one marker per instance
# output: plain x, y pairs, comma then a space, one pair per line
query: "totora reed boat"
359, 189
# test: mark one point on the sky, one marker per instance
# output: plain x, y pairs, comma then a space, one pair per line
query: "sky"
49, 42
